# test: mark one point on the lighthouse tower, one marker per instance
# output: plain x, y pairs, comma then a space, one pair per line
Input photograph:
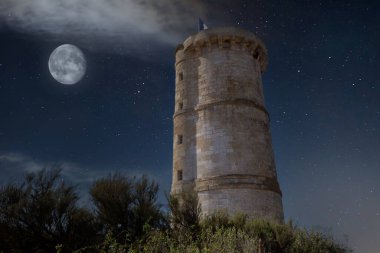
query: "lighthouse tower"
222, 143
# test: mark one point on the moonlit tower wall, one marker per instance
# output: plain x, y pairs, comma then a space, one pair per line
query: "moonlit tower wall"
222, 142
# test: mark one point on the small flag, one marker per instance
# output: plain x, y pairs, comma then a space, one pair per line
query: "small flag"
201, 25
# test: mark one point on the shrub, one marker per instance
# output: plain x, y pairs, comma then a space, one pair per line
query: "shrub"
220, 233
127, 206
41, 213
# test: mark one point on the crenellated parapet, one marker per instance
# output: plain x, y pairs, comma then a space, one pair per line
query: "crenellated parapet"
230, 38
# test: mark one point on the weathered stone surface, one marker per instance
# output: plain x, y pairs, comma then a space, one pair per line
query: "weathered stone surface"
222, 142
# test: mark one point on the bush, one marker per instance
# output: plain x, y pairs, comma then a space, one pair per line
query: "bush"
127, 206
185, 213
220, 233
41, 215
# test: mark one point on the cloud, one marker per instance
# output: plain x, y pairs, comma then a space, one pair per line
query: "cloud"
133, 24
14, 166
17, 164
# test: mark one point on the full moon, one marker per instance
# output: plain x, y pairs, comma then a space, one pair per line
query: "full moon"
67, 64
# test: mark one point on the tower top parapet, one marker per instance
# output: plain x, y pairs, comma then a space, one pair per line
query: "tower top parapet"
224, 37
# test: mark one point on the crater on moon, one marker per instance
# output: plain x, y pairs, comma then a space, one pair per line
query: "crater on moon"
67, 64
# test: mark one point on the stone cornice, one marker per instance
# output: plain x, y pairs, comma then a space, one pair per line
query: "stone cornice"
257, 182
236, 101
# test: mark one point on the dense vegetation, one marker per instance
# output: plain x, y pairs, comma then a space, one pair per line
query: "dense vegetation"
41, 214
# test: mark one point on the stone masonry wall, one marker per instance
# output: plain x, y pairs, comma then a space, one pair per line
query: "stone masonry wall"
222, 143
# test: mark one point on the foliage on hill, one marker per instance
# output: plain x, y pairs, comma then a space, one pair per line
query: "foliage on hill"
221, 234
41, 215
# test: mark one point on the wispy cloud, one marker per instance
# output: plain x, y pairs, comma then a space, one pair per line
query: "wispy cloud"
125, 22
14, 166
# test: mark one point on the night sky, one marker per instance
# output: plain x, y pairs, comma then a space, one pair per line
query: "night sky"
321, 89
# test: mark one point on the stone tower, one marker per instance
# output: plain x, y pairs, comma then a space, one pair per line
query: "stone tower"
222, 141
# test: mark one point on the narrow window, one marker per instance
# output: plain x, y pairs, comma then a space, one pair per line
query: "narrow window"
180, 139
180, 106
179, 175
256, 54
180, 76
